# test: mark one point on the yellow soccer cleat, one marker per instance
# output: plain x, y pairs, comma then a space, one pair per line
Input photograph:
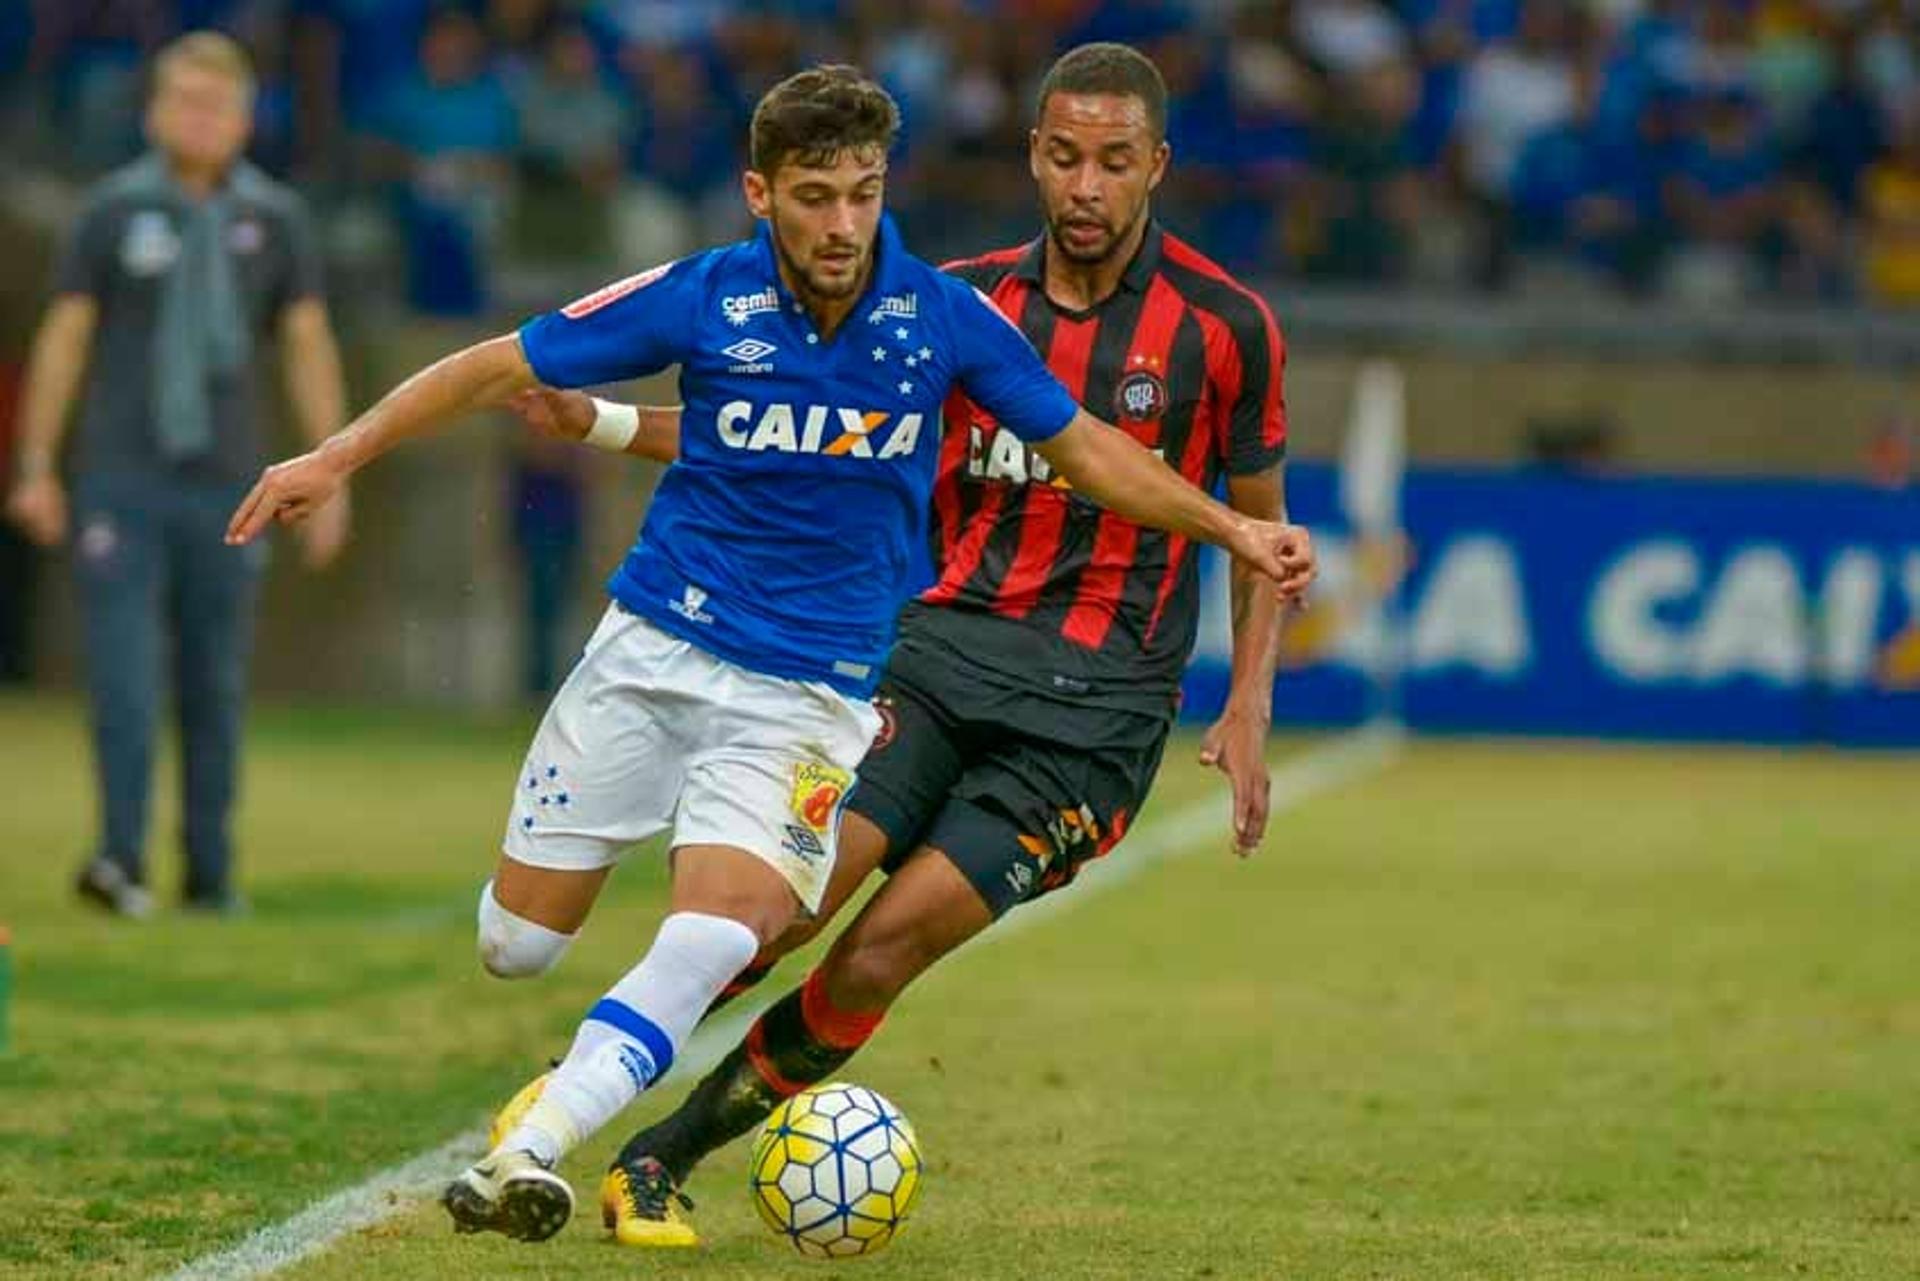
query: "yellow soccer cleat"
515, 1111
641, 1206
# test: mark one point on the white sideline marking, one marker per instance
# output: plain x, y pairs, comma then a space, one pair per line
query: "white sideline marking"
396, 1189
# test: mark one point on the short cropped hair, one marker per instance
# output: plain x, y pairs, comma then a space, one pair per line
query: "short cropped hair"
1111, 70
811, 117
206, 51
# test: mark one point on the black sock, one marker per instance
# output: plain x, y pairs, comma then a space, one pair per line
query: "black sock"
783, 1053
745, 981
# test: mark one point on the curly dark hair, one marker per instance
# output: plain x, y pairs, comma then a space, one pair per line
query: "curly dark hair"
811, 117
1109, 69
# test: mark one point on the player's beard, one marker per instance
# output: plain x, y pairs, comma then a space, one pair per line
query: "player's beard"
1102, 251
811, 287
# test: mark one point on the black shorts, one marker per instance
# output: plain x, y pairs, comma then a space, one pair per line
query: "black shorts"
958, 765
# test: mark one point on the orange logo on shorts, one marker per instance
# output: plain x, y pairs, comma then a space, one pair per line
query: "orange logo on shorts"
817, 790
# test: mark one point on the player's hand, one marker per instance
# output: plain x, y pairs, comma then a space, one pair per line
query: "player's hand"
288, 492
39, 507
563, 415
1236, 744
324, 537
1284, 553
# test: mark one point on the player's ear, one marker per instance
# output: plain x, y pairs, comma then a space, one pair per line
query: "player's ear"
1162, 157
759, 192
1033, 153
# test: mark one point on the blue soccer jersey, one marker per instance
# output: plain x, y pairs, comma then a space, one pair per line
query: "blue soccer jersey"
787, 535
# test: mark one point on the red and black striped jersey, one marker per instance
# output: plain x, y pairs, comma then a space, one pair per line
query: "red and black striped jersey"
1186, 360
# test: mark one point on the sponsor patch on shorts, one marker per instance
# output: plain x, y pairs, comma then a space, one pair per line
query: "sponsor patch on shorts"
817, 791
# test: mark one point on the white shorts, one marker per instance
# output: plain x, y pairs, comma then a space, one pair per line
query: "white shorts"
650, 731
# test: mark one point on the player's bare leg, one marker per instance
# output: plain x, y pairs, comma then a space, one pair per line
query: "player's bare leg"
925, 911
862, 848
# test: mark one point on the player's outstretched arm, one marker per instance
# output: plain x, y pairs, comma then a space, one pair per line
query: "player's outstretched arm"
574, 415
480, 376
1236, 744
1110, 467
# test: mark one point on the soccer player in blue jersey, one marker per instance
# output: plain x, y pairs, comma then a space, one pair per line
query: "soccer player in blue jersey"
725, 693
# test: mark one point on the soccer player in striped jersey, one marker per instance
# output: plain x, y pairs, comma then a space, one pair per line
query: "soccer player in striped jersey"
1028, 699
727, 692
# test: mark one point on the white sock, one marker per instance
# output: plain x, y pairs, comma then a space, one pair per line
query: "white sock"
629, 1039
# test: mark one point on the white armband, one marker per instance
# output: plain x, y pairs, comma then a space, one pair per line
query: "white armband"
614, 426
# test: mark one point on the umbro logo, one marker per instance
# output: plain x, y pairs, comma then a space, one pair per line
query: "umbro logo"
1020, 879
750, 353
639, 1064
749, 349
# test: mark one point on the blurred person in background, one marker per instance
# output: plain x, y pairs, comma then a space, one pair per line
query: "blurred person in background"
1578, 194
454, 129
1890, 197
1829, 141
683, 158
1372, 193
572, 139
1842, 131
1725, 198
346, 56
179, 265
547, 496
1513, 90
86, 55
18, 568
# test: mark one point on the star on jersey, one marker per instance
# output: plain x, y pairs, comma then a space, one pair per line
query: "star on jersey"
906, 388
879, 353
925, 353
901, 334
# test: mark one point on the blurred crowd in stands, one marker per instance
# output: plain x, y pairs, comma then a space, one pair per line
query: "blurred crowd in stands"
1710, 151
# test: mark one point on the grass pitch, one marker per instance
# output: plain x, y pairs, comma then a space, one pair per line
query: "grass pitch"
1502, 1010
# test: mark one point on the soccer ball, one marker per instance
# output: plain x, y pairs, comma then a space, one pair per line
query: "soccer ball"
836, 1171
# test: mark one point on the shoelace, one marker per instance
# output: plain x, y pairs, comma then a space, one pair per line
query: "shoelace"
650, 1189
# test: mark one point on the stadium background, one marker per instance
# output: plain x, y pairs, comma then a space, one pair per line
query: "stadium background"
1600, 241
1505, 1007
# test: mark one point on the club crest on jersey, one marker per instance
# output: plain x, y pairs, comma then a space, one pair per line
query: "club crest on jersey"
817, 429
817, 790
740, 308
895, 307
246, 236
1141, 397
149, 246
